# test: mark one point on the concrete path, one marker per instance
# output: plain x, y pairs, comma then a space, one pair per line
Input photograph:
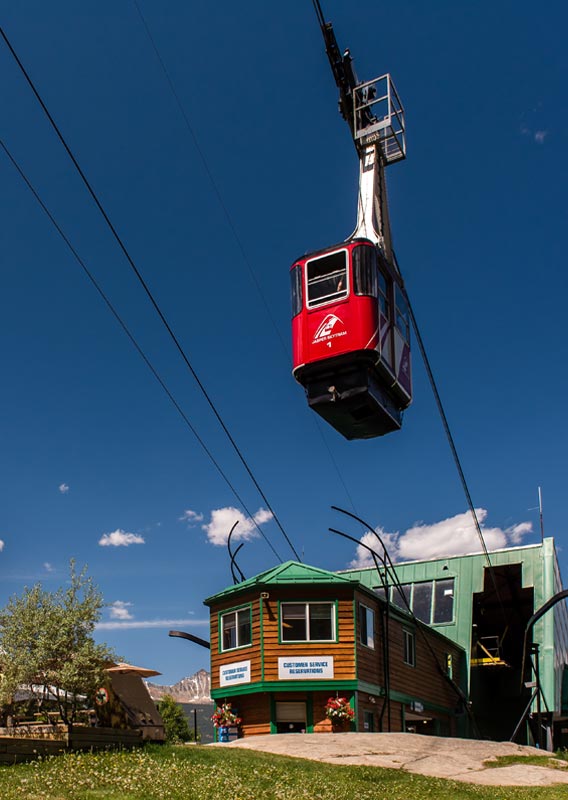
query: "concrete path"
458, 759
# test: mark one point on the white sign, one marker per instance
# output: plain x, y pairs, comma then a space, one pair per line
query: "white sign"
238, 672
305, 668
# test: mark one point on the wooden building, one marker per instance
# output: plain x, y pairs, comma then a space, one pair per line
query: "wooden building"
285, 641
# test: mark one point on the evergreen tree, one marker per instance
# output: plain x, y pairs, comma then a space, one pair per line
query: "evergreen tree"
175, 721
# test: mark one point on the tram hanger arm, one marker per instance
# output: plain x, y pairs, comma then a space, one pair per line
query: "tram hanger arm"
191, 638
341, 66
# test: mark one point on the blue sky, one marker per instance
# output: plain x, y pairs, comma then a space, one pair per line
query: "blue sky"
96, 463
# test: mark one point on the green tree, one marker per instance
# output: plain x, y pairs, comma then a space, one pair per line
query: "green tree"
175, 723
46, 639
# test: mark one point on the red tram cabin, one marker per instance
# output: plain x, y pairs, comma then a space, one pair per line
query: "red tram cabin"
351, 338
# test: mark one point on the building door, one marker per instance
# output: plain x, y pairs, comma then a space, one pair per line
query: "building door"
291, 717
369, 722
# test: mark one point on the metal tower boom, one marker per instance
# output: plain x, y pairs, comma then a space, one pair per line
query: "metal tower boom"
375, 116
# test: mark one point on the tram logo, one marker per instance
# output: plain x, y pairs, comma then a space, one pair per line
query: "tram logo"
327, 329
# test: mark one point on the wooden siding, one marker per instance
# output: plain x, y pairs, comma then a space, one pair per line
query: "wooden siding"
423, 684
422, 681
251, 652
342, 650
254, 709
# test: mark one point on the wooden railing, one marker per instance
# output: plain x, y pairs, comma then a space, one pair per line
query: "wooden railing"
15, 748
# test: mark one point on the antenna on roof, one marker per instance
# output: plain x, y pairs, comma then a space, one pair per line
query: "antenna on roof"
540, 515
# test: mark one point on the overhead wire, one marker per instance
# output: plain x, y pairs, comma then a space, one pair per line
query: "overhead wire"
134, 341
231, 224
148, 292
210, 175
321, 21
390, 571
451, 442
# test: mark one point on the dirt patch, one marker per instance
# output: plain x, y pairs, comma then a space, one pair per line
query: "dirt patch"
458, 759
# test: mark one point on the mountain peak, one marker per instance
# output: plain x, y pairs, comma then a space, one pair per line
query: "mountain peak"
193, 689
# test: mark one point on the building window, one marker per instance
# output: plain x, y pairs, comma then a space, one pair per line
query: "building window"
401, 595
366, 626
431, 602
307, 622
236, 630
422, 601
409, 646
444, 601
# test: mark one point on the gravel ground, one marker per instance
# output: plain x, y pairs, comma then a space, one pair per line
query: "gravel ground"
458, 759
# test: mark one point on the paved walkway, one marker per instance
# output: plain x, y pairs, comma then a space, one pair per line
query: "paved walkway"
458, 759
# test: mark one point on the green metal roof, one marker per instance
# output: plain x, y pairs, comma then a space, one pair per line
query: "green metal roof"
289, 573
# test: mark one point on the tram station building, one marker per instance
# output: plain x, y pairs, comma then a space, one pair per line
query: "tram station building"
285, 641
492, 605
450, 661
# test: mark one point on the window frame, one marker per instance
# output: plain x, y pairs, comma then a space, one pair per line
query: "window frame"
410, 587
366, 611
383, 294
335, 297
409, 647
234, 611
401, 314
435, 601
364, 265
306, 603
296, 289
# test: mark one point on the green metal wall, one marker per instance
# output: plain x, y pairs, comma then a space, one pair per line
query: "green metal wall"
539, 570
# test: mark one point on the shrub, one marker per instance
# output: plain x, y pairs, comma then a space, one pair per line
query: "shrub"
175, 723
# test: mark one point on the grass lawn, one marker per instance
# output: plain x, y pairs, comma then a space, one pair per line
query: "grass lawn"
551, 760
203, 773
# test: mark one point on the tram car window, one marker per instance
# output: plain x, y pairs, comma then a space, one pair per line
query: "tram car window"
365, 271
327, 278
402, 315
296, 289
383, 296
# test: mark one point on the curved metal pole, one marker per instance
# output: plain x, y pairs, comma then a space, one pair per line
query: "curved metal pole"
397, 583
534, 619
229, 549
387, 559
386, 653
232, 556
191, 638
234, 564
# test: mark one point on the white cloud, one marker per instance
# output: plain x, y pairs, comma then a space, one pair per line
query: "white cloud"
48, 567
449, 537
149, 623
517, 532
363, 557
191, 517
119, 610
1, 545
63, 488
223, 519
540, 136
120, 538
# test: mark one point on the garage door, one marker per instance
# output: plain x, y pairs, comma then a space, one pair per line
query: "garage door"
291, 712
